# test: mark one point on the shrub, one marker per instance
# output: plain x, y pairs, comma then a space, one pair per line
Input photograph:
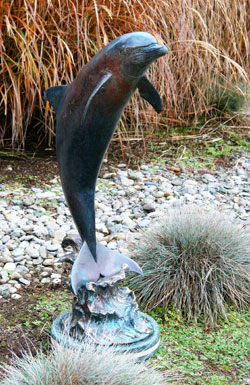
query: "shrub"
197, 261
45, 43
93, 366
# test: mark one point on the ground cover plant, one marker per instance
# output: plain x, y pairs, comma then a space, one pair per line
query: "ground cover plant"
201, 355
196, 260
45, 43
189, 353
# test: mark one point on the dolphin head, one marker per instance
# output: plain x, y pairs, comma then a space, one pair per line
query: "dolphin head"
137, 51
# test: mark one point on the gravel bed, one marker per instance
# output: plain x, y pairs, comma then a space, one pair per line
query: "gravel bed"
34, 221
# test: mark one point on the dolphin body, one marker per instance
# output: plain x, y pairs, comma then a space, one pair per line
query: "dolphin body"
87, 112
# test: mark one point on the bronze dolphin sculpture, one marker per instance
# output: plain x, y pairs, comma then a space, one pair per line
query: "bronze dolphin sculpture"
87, 112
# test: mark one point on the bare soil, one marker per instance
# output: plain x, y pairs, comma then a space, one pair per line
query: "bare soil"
28, 171
25, 323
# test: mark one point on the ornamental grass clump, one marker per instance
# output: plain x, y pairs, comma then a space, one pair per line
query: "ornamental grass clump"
197, 261
44, 43
64, 366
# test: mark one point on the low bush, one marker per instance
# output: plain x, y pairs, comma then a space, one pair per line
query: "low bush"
197, 261
92, 366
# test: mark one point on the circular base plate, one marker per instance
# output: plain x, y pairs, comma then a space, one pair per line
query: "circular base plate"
142, 349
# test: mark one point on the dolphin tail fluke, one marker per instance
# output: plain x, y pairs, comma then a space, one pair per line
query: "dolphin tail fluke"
109, 263
84, 269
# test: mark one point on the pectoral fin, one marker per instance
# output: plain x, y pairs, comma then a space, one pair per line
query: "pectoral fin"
103, 80
149, 93
56, 95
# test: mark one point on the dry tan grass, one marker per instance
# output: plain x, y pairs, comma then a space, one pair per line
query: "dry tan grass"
45, 43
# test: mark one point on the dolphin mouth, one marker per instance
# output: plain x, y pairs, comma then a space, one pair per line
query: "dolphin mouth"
155, 50
146, 54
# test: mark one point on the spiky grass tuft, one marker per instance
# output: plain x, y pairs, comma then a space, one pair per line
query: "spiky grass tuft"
197, 261
92, 366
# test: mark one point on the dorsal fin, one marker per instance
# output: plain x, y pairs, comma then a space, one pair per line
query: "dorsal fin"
149, 93
55, 95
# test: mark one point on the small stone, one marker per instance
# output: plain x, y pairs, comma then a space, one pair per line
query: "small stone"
112, 245
48, 262
52, 247
176, 182
108, 175
209, 178
56, 282
12, 290
126, 182
28, 201
158, 194
45, 280
5, 238
32, 251
4, 287
15, 275
127, 221
44, 274
5, 259
36, 262
148, 207
11, 244
17, 232
48, 269
120, 237
144, 223
36, 190
59, 235
55, 276
135, 175
168, 192
10, 266
4, 280
43, 252
16, 296
102, 228
24, 281
17, 252
23, 244
19, 259
21, 268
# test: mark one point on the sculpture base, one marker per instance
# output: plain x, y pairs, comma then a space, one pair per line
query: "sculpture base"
141, 349
108, 315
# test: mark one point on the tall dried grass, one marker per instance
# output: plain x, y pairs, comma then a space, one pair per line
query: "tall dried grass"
45, 43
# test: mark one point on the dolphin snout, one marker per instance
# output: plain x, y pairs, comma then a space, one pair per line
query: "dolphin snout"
155, 50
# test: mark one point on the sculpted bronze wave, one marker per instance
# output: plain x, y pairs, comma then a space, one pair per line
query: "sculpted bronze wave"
87, 112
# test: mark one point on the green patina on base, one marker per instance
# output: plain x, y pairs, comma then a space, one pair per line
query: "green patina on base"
141, 349
108, 315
